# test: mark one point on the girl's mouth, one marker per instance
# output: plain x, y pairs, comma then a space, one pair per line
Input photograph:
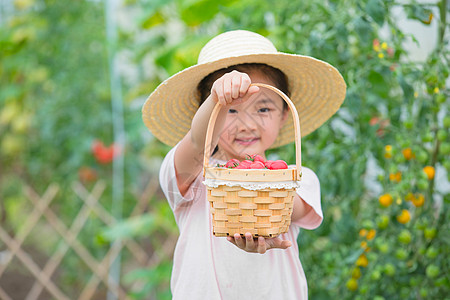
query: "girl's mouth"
247, 142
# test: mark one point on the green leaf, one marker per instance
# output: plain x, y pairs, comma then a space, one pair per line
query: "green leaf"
418, 12
379, 84
376, 11
182, 55
195, 12
363, 29
408, 90
199, 12
153, 20
353, 256
152, 13
132, 227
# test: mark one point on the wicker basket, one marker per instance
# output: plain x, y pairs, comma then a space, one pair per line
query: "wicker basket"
262, 212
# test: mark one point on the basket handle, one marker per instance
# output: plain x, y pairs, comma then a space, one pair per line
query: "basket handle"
215, 112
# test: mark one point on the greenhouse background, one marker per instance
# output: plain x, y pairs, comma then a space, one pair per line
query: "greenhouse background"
82, 215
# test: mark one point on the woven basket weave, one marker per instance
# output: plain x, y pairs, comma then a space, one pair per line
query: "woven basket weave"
262, 212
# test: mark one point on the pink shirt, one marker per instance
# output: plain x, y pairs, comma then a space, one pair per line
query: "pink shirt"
209, 267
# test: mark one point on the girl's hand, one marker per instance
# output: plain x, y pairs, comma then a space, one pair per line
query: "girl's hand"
259, 245
232, 88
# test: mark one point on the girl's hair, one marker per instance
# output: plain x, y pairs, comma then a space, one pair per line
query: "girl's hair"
274, 74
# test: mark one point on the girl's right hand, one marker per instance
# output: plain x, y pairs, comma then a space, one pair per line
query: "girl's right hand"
233, 88
258, 245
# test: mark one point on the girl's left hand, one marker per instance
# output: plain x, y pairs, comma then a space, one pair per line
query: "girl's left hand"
258, 245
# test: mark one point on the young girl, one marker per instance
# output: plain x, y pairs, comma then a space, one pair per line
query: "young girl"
251, 121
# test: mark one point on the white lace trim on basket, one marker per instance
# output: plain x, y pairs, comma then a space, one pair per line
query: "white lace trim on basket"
252, 185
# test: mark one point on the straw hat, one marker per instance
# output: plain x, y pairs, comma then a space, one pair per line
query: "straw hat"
316, 88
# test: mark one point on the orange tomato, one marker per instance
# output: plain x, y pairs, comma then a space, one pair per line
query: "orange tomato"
371, 234
430, 171
404, 217
419, 200
363, 232
408, 154
385, 200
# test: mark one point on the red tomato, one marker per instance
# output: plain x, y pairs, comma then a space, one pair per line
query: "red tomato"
103, 154
257, 165
255, 157
232, 163
245, 164
87, 174
258, 157
278, 165
268, 163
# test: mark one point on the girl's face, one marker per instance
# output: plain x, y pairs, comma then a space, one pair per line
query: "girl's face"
251, 127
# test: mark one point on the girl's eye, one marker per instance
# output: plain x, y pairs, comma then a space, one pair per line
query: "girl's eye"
264, 110
232, 111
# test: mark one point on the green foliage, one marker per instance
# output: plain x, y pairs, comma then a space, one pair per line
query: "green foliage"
391, 100
140, 226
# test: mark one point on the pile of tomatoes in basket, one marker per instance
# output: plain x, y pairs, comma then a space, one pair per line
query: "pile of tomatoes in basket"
255, 162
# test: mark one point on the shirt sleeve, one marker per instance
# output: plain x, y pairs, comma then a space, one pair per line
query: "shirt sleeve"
168, 182
309, 191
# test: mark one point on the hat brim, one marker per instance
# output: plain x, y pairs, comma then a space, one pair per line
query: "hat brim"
316, 88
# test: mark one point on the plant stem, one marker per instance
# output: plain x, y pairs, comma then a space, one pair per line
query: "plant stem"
442, 26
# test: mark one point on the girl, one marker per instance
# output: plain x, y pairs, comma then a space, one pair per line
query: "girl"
251, 121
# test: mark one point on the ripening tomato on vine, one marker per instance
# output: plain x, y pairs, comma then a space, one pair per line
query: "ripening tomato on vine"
104, 154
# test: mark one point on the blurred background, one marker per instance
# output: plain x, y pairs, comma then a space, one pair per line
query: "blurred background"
81, 212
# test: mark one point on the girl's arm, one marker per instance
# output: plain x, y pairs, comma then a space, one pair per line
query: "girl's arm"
300, 208
231, 88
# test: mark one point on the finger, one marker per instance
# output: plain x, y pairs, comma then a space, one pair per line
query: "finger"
217, 92
235, 86
245, 83
250, 92
278, 243
231, 240
253, 90
227, 88
261, 245
216, 98
285, 244
249, 242
239, 241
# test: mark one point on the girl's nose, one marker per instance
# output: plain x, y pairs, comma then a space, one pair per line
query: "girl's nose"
247, 122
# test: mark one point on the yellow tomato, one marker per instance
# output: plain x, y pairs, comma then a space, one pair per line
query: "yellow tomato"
409, 197
397, 177
363, 232
430, 171
352, 284
419, 200
362, 261
404, 217
385, 200
371, 234
356, 273
408, 154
